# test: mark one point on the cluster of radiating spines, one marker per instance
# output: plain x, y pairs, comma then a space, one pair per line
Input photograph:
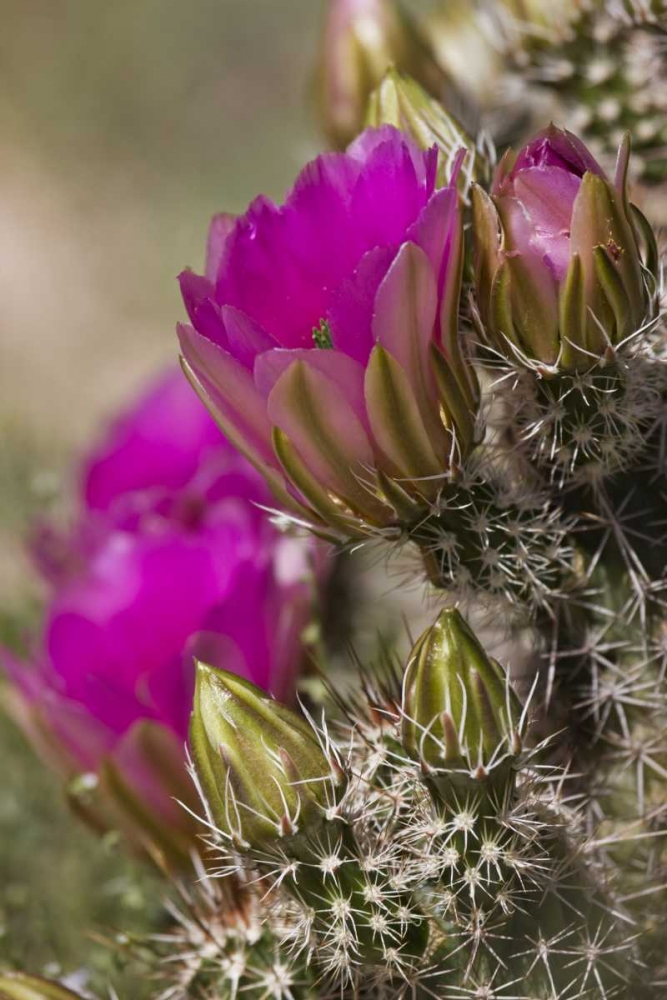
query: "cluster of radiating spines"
581, 428
419, 851
485, 540
604, 64
226, 941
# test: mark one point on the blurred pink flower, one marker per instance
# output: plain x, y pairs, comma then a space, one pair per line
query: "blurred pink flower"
170, 559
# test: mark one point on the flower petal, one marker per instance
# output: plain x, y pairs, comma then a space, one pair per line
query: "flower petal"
556, 147
548, 198
246, 338
232, 391
195, 289
532, 287
389, 194
344, 371
351, 314
433, 230
317, 417
599, 220
394, 144
220, 228
158, 441
405, 313
396, 421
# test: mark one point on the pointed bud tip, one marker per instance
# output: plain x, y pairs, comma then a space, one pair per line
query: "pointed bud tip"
457, 704
259, 764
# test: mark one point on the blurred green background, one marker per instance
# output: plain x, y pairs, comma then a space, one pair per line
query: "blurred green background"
125, 124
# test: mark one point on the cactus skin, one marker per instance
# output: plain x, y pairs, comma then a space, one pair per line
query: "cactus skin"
604, 63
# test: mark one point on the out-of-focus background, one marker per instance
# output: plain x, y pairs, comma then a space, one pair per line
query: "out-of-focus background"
124, 126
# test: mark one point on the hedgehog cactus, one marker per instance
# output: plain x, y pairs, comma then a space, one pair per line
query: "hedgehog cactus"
484, 385
437, 357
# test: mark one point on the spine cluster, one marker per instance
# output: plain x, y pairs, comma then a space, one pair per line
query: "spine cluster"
445, 856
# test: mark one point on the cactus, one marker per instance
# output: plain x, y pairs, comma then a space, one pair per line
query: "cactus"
439, 856
604, 64
465, 363
452, 831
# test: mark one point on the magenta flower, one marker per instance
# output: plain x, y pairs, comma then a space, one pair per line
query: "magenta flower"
324, 334
559, 271
184, 566
157, 445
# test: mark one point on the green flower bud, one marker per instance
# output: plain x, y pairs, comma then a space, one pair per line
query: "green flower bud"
460, 716
262, 772
401, 101
362, 38
18, 986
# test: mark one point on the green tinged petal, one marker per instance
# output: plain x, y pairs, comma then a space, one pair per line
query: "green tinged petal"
395, 419
572, 316
610, 281
532, 289
501, 321
456, 410
319, 421
486, 228
323, 504
599, 220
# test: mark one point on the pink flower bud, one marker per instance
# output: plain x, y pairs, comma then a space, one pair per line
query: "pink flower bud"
559, 270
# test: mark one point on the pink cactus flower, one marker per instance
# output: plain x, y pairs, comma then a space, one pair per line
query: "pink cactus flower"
324, 333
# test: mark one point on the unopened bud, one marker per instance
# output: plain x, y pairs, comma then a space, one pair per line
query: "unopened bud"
562, 258
459, 713
262, 771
